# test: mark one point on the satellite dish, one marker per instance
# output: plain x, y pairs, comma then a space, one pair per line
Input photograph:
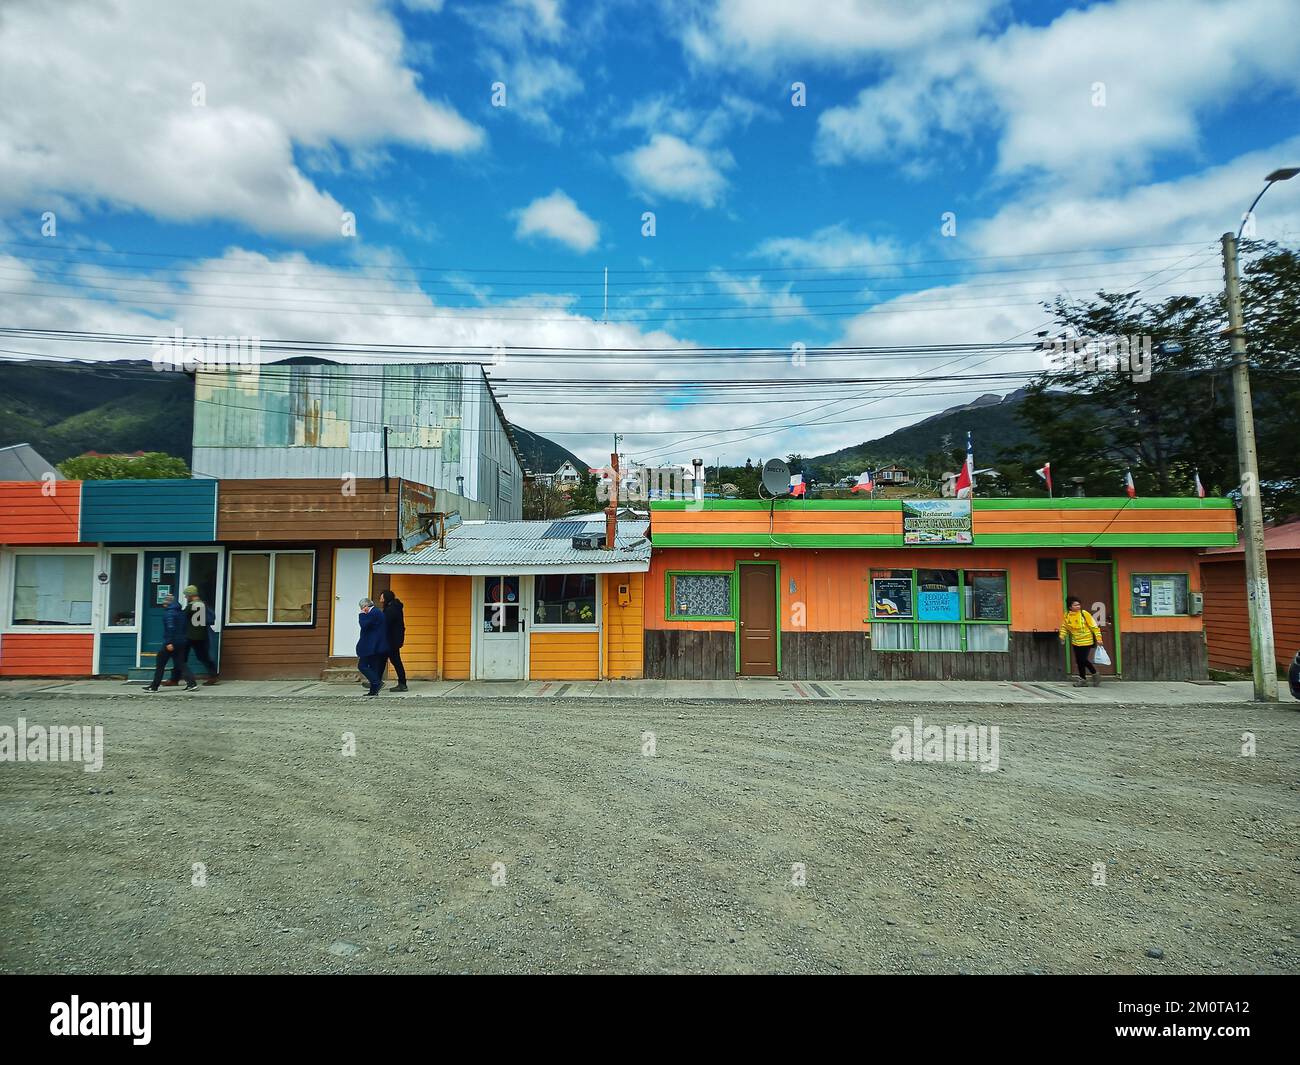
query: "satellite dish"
776, 477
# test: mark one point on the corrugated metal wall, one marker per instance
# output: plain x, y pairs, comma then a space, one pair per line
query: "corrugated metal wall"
327, 420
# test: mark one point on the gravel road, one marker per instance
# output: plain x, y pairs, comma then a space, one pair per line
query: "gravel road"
232, 835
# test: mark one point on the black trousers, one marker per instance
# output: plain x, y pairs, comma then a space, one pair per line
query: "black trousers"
394, 656
1083, 660
200, 649
180, 659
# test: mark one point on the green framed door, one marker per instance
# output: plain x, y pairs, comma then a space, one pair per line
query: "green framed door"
1093, 581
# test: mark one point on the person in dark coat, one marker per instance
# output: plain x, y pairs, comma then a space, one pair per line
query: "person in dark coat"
395, 632
198, 624
372, 645
175, 646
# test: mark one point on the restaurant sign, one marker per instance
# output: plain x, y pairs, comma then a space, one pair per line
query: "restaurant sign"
936, 521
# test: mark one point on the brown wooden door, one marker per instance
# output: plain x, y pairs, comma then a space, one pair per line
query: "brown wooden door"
1093, 583
757, 632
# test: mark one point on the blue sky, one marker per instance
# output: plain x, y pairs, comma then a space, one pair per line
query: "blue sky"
197, 163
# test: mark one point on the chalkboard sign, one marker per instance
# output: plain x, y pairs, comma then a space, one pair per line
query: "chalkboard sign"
990, 598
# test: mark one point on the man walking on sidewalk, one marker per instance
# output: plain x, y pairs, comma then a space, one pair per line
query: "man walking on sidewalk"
175, 646
372, 645
198, 624
395, 634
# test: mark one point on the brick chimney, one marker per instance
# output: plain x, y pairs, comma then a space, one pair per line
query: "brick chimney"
611, 511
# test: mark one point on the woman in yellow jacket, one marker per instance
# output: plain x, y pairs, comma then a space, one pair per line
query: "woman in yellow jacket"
1084, 635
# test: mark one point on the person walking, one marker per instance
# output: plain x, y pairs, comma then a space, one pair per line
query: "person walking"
395, 634
175, 646
198, 624
1084, 635
372, 645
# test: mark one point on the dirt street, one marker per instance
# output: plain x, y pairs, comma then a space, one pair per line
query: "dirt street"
232, 835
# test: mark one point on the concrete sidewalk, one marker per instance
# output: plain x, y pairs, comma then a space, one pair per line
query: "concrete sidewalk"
947, 693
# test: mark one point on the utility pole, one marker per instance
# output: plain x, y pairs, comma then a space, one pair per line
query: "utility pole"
1263, 658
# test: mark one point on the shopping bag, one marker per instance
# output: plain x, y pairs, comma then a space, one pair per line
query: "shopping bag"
1100, 657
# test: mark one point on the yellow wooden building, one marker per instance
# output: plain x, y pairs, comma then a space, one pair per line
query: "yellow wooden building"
515, 600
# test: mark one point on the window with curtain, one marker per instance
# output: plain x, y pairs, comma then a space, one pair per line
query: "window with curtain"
53, 589
271, 588
940, 610
564, 599
699, 595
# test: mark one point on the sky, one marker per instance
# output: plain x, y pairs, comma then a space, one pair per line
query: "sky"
753, 174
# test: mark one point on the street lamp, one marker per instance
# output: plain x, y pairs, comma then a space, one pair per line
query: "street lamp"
1263, 658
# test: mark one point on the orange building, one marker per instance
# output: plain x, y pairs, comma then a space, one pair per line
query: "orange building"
925, 589
1227, 617
516, 600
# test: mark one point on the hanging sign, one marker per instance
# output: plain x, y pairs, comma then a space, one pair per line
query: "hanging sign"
936, 521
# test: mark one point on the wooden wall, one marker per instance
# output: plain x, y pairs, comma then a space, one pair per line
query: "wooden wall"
625, 627
24, 654
164, 511
1227, 617
419, 595
564, 656
311, 509
28, 516
459, 627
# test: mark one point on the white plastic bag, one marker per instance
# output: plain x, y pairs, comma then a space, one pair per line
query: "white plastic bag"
1100, 657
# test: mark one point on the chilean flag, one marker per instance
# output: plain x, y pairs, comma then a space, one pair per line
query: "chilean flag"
1046, 474
964, 487
1200, 488
1129, 486
864, 484
797, 487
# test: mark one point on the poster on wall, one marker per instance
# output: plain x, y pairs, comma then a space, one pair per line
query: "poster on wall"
891, 597
936, 522
155, 574
163, 591
937, 597
1162, 597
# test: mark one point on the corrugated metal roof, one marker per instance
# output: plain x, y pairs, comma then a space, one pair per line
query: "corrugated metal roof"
523, 547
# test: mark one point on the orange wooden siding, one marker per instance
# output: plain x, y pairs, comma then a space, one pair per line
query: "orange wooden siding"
29, 516
1227, 617
624, 627
828, 590
564, 656
419, 595
33, 654
458, 630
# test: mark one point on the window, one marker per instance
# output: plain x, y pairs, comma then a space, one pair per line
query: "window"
53, 589
564, 599
1159, 594
699, 597
271, 588
500, 604
123, 571
940, 610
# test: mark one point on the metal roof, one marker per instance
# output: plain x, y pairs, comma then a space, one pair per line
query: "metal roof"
523, 547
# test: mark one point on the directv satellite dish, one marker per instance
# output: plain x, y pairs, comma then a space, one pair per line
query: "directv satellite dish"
776, 477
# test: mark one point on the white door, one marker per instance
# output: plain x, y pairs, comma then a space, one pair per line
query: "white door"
351, 583
502, 619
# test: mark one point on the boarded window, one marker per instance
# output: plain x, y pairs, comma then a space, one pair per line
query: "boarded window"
53, 589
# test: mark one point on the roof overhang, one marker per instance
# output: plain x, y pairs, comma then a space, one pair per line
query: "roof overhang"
601, 562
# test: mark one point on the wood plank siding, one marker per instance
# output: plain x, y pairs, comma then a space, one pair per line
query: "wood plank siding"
39, 512
47, 654
1227, 617
315, 509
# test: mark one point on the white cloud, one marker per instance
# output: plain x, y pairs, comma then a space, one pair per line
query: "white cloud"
556, 216
755, 291
99, 107
669, 167
833, 247
534, 86
1161, 64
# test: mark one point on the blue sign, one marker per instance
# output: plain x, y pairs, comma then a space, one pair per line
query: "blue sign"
938, 606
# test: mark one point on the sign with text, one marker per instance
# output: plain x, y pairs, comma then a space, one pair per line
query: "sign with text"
891, 597
936, 521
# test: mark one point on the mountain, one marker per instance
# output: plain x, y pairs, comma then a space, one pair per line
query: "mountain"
542, 455
65, 409
990, 418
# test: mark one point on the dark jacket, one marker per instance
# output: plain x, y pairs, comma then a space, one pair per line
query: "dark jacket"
394, 623
194, 632
373, 640
174, 625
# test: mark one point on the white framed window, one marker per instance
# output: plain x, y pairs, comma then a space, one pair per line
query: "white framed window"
121, 610
52, 591
271, 588
566, 602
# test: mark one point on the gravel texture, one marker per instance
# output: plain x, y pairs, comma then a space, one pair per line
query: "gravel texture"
615, 861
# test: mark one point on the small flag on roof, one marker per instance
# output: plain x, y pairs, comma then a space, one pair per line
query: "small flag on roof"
1200, 488
964, 487
1129, 486
1046, 474
797, 487
865, 483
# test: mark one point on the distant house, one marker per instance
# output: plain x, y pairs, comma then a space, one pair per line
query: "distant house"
22, 462
893, 475
566, 475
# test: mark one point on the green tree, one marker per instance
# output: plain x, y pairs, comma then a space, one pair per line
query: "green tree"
584, 498
149, 466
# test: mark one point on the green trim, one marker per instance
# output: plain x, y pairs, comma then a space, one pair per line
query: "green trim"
668, 594
776, 591
884, 540
1176, 573
1028, 503
1114, 613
